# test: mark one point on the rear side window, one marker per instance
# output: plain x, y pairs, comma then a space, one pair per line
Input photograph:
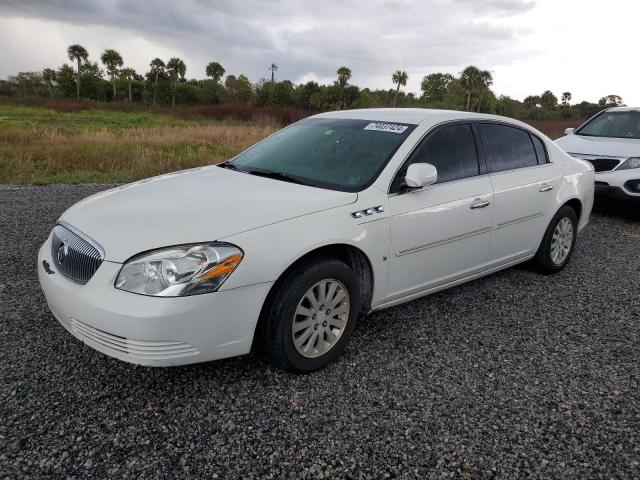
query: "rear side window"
540, 150
452, 150
507, 147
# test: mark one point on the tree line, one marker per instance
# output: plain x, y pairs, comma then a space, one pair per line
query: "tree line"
165, 83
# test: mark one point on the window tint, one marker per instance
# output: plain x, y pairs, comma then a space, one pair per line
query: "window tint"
508, 147
452, 150
540, 151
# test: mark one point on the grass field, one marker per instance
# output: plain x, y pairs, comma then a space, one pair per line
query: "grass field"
41, 145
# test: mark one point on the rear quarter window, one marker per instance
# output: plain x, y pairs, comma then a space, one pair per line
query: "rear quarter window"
541, 151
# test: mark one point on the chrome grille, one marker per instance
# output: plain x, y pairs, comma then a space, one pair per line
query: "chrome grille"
74, 256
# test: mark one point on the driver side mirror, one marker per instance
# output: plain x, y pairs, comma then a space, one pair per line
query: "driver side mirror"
569, 131
420, 175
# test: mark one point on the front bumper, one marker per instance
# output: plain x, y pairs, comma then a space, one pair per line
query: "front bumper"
618, 183
152, 331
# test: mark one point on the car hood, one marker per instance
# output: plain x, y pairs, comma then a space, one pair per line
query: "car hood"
612, 147
199, 205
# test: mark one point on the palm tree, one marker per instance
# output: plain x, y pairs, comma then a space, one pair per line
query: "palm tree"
485, 80
79, 54
532, 101
400, 77
566, 98
112, 60
128, 74
215, 71
157, 67
49, 76
273, 69
176, 68
344, 75
469, 78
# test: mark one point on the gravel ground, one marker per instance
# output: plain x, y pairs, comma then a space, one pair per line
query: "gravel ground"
514, 375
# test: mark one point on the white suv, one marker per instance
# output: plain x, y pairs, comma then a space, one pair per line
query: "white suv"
611, 142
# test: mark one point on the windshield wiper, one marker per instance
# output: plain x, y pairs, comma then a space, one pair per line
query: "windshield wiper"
276, 176
228, 165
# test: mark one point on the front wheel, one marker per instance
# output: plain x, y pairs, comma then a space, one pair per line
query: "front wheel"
312, 315
558, 242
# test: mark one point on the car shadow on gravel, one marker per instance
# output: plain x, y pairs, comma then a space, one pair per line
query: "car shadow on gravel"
616, 208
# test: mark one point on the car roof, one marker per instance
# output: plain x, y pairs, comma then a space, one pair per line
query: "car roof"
413, 115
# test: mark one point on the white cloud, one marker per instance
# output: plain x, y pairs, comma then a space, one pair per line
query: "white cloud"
530, 46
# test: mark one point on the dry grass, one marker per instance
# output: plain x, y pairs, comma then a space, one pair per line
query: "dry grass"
553, 128
34, 151
44, 145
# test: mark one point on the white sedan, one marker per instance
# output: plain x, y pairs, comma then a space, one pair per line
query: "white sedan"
611, 142
283, 247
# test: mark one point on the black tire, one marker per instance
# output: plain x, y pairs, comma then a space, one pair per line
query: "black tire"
543, 262
277, 341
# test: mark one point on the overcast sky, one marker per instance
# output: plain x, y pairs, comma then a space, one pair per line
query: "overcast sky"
586, 47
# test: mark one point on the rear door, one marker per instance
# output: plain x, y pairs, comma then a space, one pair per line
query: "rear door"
524, 183
441, 232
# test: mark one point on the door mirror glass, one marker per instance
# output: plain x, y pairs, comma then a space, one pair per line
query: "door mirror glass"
569, 131
421, 175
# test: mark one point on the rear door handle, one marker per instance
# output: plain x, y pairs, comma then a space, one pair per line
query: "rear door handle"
479, 205
546, 188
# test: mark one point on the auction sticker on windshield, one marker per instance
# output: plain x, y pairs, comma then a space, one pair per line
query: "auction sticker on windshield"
386, 127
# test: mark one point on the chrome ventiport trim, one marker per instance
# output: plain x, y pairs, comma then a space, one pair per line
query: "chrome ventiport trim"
368, 211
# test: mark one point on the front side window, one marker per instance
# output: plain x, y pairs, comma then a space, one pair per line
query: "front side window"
339, 154
451, 149
613, 125
507, 147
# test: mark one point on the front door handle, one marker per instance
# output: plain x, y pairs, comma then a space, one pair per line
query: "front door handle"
546, 188
479, 205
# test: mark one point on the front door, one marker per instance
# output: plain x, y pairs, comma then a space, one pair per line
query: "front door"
442, 232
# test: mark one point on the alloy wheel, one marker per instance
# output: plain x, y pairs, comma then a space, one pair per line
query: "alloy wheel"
320, 318
562, 241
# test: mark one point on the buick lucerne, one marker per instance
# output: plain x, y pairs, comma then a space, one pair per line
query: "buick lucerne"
284, 247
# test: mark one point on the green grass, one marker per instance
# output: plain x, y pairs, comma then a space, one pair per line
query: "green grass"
15, 115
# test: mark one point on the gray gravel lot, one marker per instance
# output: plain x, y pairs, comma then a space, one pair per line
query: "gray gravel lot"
514, 375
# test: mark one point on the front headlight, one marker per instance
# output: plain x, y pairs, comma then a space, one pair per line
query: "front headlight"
180, 271
633, 162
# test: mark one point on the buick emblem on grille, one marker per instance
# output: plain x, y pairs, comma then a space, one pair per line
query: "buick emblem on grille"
75, 257
63, 251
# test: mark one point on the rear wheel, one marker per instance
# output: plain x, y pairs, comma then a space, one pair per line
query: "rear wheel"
312, 315
558, 242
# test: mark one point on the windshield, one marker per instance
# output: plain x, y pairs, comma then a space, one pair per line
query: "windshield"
613, 125
339, 154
